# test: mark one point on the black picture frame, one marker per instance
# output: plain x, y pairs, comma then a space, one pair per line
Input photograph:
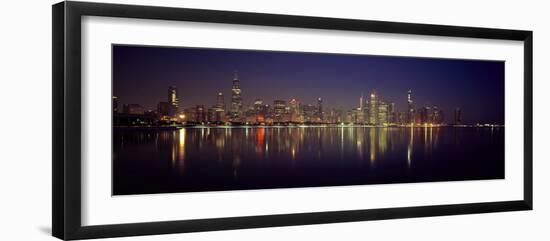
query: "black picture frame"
66, 168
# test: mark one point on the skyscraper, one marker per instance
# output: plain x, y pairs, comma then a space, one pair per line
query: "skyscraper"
383, 113
410, 112
236, 100
295, 112
220, 103
217, 112
320, 108
258, 105
173, 100
279, 110
373, 108
309, 112
437, 115
425, 115
360, 117
392, 116
200, 113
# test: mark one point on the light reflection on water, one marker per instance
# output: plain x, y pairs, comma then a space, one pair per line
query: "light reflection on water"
257, 157
299, 142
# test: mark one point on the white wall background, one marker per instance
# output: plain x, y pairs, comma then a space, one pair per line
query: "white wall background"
25, 145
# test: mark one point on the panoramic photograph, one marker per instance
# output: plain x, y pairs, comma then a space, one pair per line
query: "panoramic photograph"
206, 119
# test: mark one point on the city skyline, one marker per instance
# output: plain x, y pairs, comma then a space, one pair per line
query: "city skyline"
192, 93
371, 110
225, 119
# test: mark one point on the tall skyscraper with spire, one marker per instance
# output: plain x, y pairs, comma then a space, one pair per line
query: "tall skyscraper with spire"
410, 106
236, 99
361, 115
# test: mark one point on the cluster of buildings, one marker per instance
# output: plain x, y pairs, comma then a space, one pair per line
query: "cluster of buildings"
372, 110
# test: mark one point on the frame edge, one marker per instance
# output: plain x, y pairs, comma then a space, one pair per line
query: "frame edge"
528, 120
58, 79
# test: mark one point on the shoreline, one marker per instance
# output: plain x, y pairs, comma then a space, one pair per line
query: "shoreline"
296, 126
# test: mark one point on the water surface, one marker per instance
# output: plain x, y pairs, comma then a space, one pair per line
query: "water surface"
213, 159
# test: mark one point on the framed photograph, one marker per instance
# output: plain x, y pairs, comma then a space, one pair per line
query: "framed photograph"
169, 120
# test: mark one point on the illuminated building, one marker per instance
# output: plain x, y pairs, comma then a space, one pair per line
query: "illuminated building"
257, 112
279, 110
425, 115
200, 114
294, 111
211, 114
219, 115
268, 110
356, 116
250, 116
258, 105
348, 118
115, 104
392, 115
437, 115
410, 105
382, 113
340, 116
173, 100
360, 115
373, 109
261, 115
401, 118
217, 112
236, 100
332, 116
214, 114
309, 112
458, 116
220, 103
269, 121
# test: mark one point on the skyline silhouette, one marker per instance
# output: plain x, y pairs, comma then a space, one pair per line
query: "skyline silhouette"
142, 73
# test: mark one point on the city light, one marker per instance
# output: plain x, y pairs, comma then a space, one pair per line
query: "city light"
374, 111
184, 120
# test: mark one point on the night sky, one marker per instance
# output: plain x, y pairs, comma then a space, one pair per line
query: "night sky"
142, 74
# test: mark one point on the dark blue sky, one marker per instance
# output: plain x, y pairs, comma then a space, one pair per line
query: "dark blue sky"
142, 74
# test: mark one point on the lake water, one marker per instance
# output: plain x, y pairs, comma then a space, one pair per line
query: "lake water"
212, 159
